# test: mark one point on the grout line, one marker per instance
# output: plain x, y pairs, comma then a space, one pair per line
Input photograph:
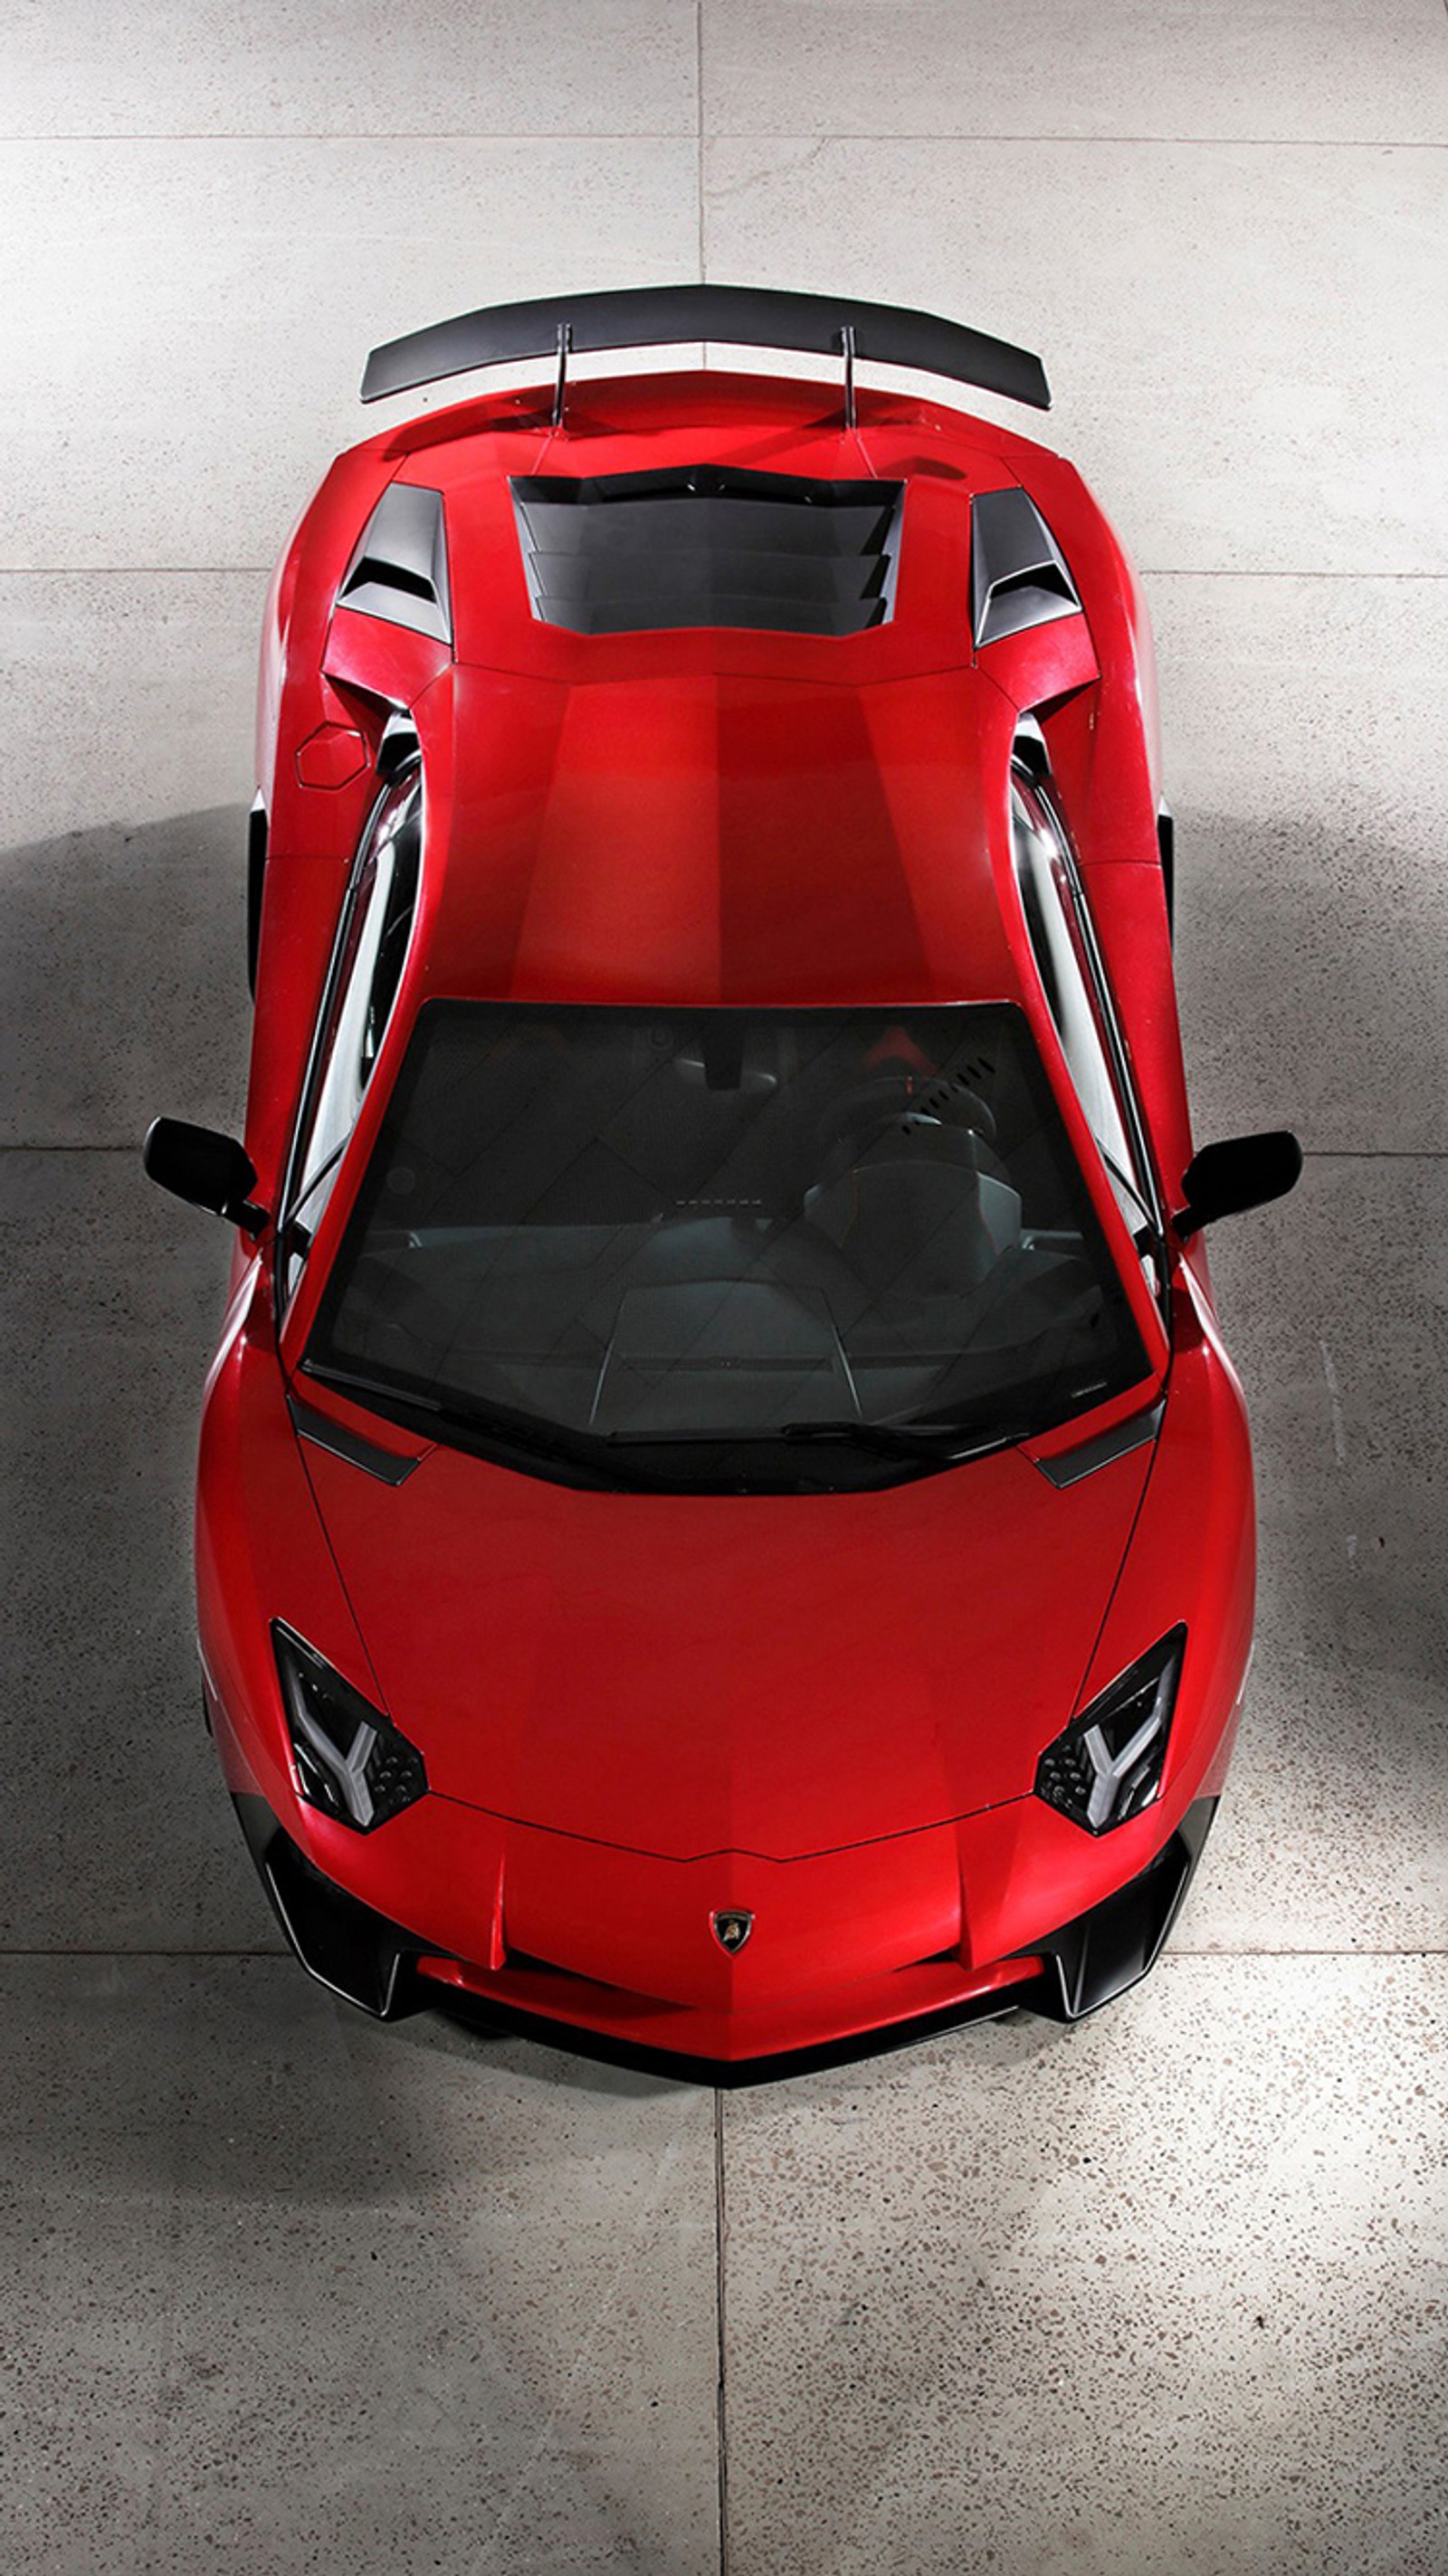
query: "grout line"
401, 134
832, 134
81, 571
724, 134
1274, 572
699, 134
722, 2418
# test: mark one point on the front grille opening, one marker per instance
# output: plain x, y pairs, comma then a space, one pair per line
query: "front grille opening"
708, 545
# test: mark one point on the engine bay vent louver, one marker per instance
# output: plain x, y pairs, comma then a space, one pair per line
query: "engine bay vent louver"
708, 545
1017, 575
399, 570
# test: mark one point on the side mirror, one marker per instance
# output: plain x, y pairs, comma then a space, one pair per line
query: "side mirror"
1242, 1172
206, 1169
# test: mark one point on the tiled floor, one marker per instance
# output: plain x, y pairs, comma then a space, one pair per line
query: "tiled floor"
289, 2293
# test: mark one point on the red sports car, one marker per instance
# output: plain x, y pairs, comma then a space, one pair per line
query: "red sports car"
725, 1528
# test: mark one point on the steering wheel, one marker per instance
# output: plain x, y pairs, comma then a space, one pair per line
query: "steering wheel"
864, 1113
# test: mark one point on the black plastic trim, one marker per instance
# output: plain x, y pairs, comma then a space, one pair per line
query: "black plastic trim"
1018, 574
724, 2074
349, 1949
1118, 1442
646, 317
256, 835
1166, 844
323, 1433
398, 570
1106, 1951
706, 546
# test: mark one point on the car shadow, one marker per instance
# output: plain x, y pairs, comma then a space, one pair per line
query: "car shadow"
123, 979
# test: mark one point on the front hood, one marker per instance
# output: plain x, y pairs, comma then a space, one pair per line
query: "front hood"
687, 1674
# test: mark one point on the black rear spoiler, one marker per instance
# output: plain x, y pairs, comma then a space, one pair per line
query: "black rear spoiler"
756, 317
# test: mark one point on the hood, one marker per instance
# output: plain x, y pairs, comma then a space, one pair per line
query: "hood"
782, 1675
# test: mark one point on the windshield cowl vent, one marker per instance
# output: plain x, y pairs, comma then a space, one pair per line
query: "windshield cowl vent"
1018, 577
399, 570
708, 545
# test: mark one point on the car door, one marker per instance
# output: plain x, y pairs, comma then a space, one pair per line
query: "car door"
360, 989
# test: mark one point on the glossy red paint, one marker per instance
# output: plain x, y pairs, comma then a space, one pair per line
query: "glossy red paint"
781, 1675
332, 756
636, 1710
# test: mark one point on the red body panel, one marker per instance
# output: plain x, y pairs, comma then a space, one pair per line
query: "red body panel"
636, 1710
771, 1674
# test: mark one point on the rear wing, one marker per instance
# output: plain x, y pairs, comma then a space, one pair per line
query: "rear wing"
757, 317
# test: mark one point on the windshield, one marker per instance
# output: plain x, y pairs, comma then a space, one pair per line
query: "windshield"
707, 1248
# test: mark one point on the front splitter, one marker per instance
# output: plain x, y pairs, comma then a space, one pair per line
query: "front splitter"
388, 1971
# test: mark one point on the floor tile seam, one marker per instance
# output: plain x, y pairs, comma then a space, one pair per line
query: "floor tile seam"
400, 134
1265, 572
732, 134
699, 142
721, 2333
1191, 142
75, 1951
180, 572
1325, 1950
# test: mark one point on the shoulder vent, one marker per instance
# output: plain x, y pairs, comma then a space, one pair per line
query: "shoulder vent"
1017, 575
708, 545
399, 570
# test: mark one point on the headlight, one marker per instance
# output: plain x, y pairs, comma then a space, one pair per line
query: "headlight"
351, 1761
1107, 1765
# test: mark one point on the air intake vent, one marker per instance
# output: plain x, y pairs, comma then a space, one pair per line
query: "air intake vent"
708, 545
399, 570
1017, 576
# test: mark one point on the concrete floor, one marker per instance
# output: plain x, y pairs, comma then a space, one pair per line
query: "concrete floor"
287, 2292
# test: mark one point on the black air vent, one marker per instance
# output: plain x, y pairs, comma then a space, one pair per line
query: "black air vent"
708, 545
1017, 575
399, 570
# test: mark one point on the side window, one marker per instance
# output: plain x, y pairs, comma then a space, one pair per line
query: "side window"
1063, 945
361, 988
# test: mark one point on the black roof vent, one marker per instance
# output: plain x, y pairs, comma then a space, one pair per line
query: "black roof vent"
399, 570
708, 545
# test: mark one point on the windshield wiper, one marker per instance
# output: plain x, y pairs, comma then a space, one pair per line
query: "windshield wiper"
353, 1384
907, 1440
495, 1423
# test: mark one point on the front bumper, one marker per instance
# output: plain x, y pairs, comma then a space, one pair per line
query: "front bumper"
387, 1970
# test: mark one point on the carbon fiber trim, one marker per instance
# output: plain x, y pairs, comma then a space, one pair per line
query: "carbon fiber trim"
323, 1433
1118, 1442
645, 317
